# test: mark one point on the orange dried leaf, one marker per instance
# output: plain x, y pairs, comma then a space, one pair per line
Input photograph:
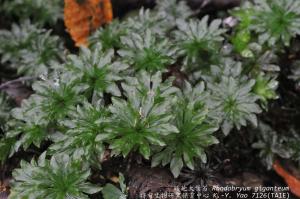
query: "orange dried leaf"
292, 182
84, 16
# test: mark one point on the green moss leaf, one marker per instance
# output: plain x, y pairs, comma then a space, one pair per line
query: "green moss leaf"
59, 177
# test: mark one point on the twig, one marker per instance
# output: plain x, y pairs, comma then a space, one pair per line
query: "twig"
21, 79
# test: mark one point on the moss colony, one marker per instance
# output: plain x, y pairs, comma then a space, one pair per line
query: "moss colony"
163, 85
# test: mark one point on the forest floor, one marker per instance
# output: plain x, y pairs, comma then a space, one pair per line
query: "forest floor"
238, 168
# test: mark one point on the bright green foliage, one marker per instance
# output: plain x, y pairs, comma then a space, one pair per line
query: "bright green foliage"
232, 99
109, 191
143, 119
41, 12
199, 42
244, 15
29, 49
241, 41
147, 51
265, 88
110, 36
96, 70
57, 98
57, 178
242, 35
195, 132
88, 128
